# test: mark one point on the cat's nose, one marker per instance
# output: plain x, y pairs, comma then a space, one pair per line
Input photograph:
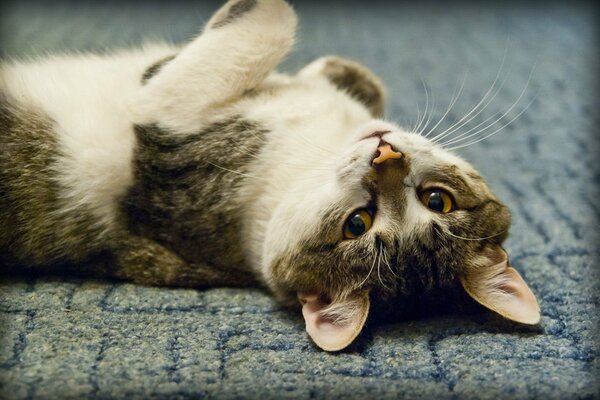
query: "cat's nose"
388, 169
385, 152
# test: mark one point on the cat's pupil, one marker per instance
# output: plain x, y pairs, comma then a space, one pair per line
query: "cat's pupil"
436, 202
356, 225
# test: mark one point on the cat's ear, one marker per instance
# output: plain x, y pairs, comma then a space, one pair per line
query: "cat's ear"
353, 78
333, 326
499, 287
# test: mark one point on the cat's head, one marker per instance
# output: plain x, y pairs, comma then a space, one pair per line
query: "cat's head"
394, 215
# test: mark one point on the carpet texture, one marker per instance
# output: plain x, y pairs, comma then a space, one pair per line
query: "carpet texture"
68, 338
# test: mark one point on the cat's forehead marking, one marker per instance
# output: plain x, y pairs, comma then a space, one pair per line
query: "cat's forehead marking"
448, 174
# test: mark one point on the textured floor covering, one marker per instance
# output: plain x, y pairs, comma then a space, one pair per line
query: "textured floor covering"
63, 338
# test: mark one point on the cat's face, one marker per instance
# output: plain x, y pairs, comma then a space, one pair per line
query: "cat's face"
372, 213
394, 215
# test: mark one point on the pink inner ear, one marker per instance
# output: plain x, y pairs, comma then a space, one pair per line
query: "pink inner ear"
501, 289
333, 326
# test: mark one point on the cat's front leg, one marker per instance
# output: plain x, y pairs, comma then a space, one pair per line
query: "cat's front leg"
147, 262
241, 44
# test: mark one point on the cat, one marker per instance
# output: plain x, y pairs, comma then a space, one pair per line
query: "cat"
200, 165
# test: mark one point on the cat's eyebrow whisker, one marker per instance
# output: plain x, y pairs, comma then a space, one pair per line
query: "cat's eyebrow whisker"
465, 119
453, 101
420, 116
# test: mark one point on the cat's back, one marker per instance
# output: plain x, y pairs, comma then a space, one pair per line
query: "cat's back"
66, 143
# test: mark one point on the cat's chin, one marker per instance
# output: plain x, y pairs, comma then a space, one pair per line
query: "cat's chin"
334, 325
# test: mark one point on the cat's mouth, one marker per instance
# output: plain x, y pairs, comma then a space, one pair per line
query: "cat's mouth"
376, 134
333, 325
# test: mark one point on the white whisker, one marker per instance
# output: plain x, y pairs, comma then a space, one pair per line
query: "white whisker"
327, 152
453, 101
496, 131
235, 172
474, 239
388, 264
379, 267
497, 116
481, 109
416, 123
418, 128
368, 275
319, 164
430, 116
458, 140
461, 122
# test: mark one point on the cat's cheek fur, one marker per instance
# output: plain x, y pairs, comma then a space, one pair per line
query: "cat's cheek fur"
299, 160
300, 218
353, 166
416, 219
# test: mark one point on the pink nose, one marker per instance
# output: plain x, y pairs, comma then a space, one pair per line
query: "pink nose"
385, 152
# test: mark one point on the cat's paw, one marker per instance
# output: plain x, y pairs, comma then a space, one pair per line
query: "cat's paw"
263, 14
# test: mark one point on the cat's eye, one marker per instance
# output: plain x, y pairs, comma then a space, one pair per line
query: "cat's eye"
437, 200
358, 223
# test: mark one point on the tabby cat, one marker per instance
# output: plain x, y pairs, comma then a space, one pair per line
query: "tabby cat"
199, 166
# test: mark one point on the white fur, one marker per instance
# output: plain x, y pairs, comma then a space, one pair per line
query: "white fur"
299, 164
87, 96
208, 75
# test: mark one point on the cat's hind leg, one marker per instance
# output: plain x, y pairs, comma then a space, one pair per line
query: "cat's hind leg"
146, 262
241, 44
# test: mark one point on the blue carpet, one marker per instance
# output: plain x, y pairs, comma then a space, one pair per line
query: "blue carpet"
66, 338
